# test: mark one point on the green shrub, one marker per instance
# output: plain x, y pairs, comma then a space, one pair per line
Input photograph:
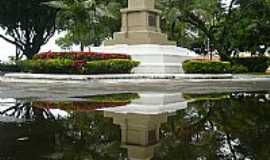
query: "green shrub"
195, 66
110, 66
239, 69
254, 64
47, 66
9, 67
66, 66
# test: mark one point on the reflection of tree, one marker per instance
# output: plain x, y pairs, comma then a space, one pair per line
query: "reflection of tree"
227, 128
92, 104
34, 132
26, 112
29, 138
90, 136
43, 136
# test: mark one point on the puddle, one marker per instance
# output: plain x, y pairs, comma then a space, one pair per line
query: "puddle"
141, 126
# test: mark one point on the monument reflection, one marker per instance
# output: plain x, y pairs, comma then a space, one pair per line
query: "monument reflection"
155, 126
140, 122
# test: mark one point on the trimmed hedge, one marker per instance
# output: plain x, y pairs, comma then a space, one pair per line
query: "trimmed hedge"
9, 67
67, 66
48, 66
195, 66
110, 66
239, 69
85, 56
253, 64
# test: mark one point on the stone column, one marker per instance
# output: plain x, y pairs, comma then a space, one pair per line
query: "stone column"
139, 133
141, 4
140, 25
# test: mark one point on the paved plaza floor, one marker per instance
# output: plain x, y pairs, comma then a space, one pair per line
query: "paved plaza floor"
66, 89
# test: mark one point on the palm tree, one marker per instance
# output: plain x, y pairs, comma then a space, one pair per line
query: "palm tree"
87, 22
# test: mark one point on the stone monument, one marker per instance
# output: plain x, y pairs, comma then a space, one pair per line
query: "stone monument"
139, 133
140, 121
140, 25
141, 37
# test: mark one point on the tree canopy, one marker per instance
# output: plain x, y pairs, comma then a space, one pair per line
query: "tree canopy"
87, 22
241, 25
27, 24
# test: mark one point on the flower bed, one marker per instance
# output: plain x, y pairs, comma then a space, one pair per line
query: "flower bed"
86, 56
74, 63
77, 106
93, 103
67, 66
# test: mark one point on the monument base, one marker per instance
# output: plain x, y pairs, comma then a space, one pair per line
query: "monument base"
153, 58
139, 37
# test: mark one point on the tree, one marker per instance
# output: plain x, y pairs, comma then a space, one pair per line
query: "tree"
254, 26
238, 122
226, 27
87, 22
81, 135
207, 18
27, 24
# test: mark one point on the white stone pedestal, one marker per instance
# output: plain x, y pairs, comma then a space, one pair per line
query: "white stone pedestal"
153, 58
152, 104
141, 120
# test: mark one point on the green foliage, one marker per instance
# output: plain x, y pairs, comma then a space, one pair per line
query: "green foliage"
87, 22
194, 66
9, 67
239, 69
241, 25
66, 66
120, 97
253, 64
89, 104
202, 129
110, 66
98, 138
47, 66
253, 26
196, 96
27, 24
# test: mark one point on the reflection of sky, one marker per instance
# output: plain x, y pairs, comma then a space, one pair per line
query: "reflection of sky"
9, 49
8, 103
59, 114
148, 109
151, 104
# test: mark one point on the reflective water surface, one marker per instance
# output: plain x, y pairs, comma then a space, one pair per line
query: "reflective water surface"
137, 126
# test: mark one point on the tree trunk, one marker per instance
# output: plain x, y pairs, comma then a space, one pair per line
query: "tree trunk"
223, 53
30, 52
82, 47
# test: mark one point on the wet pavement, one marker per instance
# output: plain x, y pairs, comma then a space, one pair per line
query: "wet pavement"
62, 89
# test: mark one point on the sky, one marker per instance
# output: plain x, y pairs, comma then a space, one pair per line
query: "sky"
7, 49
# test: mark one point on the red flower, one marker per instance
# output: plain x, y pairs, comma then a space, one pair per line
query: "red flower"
87, 56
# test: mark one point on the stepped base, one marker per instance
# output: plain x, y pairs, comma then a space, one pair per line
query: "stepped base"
139, 37
154, 59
